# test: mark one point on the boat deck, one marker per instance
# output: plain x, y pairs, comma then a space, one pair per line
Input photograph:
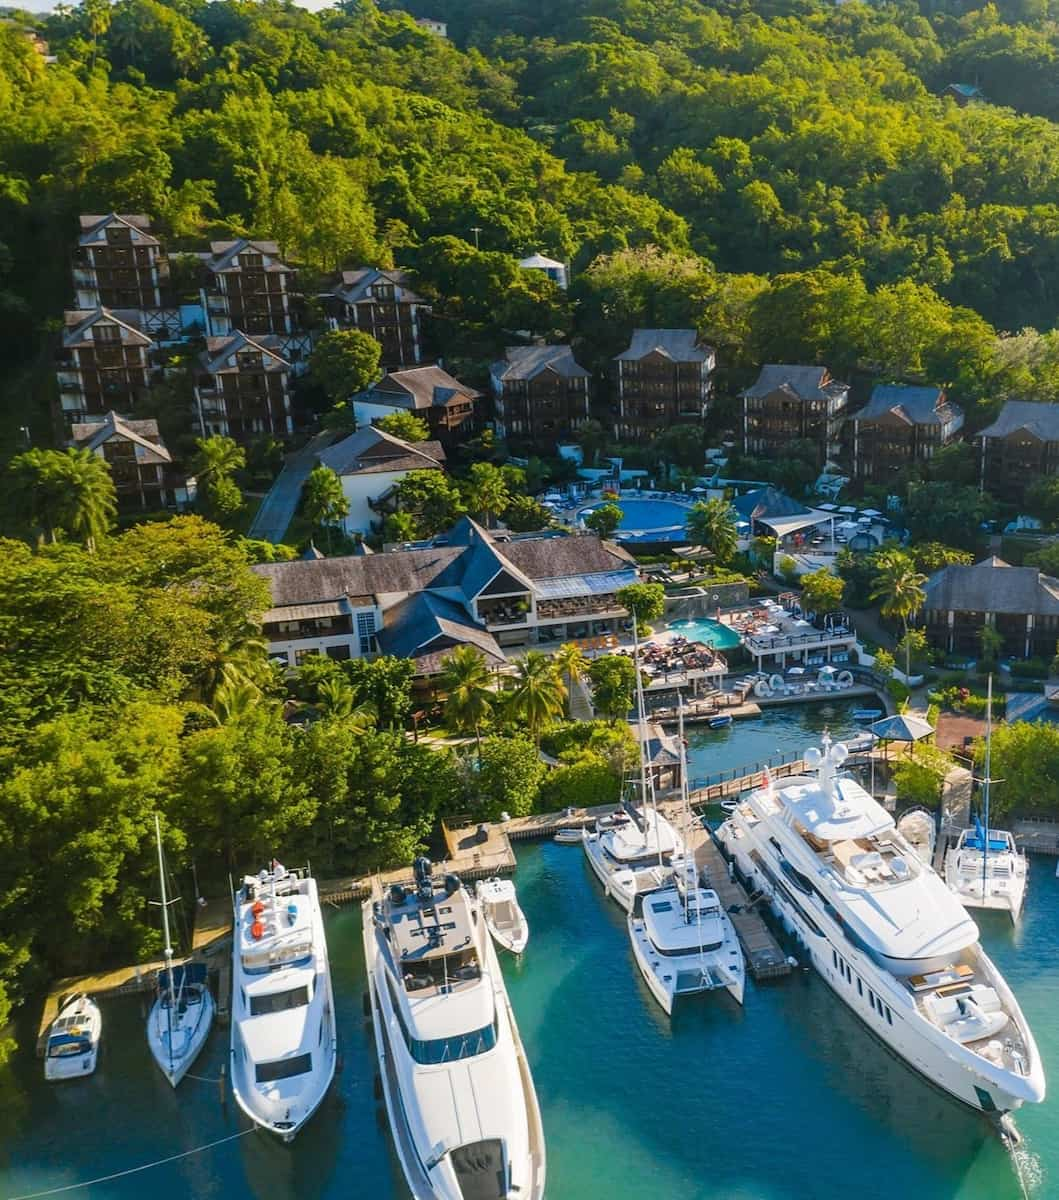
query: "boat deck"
765, 958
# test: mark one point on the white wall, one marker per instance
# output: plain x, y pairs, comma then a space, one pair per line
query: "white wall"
359, 489
366, 412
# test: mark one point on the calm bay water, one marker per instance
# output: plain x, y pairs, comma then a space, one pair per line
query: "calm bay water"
786, 1099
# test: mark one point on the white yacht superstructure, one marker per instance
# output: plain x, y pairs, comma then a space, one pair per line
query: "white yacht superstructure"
985, 869
459, 1095
885, 933
284, 1041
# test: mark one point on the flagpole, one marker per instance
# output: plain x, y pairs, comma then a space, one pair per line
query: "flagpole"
986, 781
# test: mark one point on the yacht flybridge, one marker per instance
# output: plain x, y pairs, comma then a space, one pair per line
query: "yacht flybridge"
885, 933
459, 1095
283, 1019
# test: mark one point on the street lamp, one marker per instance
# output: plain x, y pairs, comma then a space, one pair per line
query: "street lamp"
476, 230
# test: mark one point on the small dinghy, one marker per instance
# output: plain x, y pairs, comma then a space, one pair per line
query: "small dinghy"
729, 806
73, 1039
867, 714
568, 837
720, 722
504, 919
917, 827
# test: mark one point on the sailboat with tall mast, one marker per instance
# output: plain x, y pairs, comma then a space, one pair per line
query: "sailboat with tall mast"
985, 868
180, 1018
630, 850
683, 941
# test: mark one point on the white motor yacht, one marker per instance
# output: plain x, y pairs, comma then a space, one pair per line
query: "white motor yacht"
180, 1018
73, 1039
987, 871
459, 1095
883, 931
284, 1040
502, 913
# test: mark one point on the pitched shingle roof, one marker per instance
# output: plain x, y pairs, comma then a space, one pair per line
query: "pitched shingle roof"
223, 255
311, 581
422, 621
527, 362
805, 383
681, 345
79, 321
372, 450
418, 388
914, 405
93, 225
548, 558
1042, 420
353, 285
219, 349
993, 586
92, 434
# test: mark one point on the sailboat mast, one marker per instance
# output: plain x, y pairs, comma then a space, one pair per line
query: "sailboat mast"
988, 776
641, 733
168, 943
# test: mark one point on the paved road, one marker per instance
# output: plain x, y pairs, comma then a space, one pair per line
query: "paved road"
278, 507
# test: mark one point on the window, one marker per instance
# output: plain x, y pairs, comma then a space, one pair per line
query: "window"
301, 655
285, 1068
366, 632
834, 957
889, 1016
860, 987
338, 653
452, 1049
274, 1002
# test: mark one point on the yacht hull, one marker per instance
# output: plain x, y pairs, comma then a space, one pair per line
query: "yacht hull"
882, 1005
1010, 900
624, 884
670, 978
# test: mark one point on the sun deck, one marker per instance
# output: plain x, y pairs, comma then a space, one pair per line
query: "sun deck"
432, 939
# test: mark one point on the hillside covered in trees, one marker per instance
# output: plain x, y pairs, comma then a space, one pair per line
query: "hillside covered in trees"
785, 176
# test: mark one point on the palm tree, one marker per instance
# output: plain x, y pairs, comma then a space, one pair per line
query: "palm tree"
570, 661
241, 658
90, 502
538, 697
487, 492
336, 698
899, 588
711, 524
467, 684
218, 457
234, 699
323, 500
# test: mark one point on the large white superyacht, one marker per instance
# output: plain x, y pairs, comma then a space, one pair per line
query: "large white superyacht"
459, 1094
885, 933
284, 1040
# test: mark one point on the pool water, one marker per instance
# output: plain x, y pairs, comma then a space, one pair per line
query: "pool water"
642, 515
709, 632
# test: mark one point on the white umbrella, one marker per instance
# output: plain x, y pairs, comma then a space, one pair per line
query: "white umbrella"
848, 526
869, 512
827, 507
847, 508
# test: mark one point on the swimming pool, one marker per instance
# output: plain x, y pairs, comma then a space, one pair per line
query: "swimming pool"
711, 633
649, 516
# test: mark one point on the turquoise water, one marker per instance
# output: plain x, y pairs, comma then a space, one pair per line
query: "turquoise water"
711, 633
788, 1098
641, 515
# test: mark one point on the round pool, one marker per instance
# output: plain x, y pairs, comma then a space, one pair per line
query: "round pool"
647, 520
710, 633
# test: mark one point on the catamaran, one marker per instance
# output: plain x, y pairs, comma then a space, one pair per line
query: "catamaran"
985, 868
631, 851
459, 1095
284, 1040
180, 1018
883, 931
683, 941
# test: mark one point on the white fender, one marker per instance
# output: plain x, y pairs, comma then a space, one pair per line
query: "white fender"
775, 682
762, 689
844, 679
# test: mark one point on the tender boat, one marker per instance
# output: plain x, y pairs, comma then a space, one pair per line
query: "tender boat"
683, 940
866, 714
283, 1046
631, 850
503, 917
987, 871
180, 1018
459, 1094
728, 806
918, 826
885, 934
568, 837
73, 1039
720, 722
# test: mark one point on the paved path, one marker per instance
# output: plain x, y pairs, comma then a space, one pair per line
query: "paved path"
278, 507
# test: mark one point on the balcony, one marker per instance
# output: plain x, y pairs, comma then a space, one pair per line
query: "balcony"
83, 278
510, 612
576, 608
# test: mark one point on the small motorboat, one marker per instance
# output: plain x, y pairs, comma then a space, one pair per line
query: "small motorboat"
504, 918
720, 722
568, 837
729, 806
867, 714
918, 826
73, 1039
859, 743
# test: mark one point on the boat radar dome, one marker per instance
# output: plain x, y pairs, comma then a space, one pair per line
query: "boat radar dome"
422, 868
813, 757
839, 753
